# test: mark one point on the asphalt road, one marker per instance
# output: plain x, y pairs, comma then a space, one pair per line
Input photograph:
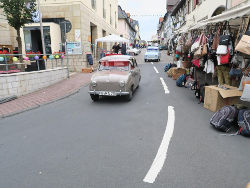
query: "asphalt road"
112, 143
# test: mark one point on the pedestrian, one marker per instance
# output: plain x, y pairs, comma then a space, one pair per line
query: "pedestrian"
124, 49
116, 48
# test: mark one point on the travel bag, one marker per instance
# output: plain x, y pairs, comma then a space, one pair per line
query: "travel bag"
225, 118
167, 67
244, 122
180, 82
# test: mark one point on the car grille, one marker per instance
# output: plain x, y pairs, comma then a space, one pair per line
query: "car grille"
109, 86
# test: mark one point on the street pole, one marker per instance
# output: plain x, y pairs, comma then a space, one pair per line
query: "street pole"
65, 46
41, 28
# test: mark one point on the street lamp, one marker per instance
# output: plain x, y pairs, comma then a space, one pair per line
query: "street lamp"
41, 26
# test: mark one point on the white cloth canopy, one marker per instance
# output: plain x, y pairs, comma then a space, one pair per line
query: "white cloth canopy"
112, 38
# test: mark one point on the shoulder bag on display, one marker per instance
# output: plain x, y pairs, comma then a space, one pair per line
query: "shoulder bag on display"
244, 45
224, 59
196, 44
216, 40
196, 62
224, 39
222, 50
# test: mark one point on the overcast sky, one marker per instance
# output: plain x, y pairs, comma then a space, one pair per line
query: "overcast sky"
148, 24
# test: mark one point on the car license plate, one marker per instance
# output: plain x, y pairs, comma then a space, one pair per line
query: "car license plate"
107, 93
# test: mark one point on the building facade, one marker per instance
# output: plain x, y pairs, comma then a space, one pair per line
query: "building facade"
79, 22
125, 27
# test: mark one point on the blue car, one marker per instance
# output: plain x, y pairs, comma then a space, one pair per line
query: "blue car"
152, 54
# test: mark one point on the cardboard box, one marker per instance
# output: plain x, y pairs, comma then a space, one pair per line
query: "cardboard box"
216, 98
87, 70
179, 70
176, 76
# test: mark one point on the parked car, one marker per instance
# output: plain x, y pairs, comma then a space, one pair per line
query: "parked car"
152, 54
133, 51
163, 47
117, 75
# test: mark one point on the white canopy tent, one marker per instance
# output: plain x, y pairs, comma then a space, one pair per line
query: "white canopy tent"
110, 39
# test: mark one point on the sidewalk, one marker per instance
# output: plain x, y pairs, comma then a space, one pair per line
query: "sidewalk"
46, 95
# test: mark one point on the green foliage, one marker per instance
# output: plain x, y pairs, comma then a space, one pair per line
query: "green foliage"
18, 12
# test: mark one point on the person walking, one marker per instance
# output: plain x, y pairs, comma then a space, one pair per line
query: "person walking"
124, 49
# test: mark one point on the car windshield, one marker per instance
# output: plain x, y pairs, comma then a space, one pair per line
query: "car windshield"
152, 50
114, 65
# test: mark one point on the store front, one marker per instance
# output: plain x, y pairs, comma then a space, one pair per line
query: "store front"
32, 41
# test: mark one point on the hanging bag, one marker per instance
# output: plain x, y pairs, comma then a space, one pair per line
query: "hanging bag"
224, 59
244, 45
216, 39
222, 50
196, 44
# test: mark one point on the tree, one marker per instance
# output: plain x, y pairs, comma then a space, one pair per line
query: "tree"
18, 13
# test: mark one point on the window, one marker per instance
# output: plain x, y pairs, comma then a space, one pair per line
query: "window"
110, 14
115, 20
93, 4
104, 10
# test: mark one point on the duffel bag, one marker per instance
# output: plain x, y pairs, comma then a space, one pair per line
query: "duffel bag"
244, 122
224, 118
180, 82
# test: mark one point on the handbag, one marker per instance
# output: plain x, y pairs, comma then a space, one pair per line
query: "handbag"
198, 52
196, 62
244, 80
244, 45
196, 44
246, 93
216, 40
204, 50
224, 39
224, 59
209, 67
222, 50
234, 72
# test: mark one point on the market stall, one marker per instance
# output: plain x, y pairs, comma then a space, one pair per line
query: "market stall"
110, 39
216, 52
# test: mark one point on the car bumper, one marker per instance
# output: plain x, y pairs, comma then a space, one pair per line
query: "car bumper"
155, 58
109, 93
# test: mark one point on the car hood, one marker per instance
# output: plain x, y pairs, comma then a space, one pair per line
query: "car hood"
110, 76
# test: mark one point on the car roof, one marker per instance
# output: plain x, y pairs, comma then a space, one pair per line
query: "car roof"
153, 47
117, 58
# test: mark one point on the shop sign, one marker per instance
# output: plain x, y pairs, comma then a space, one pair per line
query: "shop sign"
74, 48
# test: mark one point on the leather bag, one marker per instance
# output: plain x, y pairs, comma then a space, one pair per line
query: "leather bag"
244, 45
204, 50
222, 50
216, 40
196, 44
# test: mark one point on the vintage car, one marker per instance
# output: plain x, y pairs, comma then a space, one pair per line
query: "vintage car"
117, 75
133, 51
152, 54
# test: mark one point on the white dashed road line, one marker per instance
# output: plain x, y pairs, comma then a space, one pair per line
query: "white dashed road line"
152, 63
163, 149
164, 86
156, 70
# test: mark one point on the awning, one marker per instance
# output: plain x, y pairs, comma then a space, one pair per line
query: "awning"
112, 38
229, 15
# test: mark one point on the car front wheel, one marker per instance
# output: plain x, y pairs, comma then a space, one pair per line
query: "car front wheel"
94, 97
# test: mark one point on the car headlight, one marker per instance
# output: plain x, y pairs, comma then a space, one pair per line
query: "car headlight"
93, 83
122, 83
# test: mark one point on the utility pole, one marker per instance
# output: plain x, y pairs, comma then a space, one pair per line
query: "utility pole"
41, 26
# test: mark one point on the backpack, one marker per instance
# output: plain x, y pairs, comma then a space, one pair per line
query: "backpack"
167, 67
224, 119
180, 82
244, 122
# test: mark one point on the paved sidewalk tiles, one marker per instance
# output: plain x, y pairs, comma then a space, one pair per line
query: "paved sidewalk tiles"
45, 95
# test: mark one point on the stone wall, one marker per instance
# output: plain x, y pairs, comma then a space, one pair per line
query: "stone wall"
27, 82
75, 63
